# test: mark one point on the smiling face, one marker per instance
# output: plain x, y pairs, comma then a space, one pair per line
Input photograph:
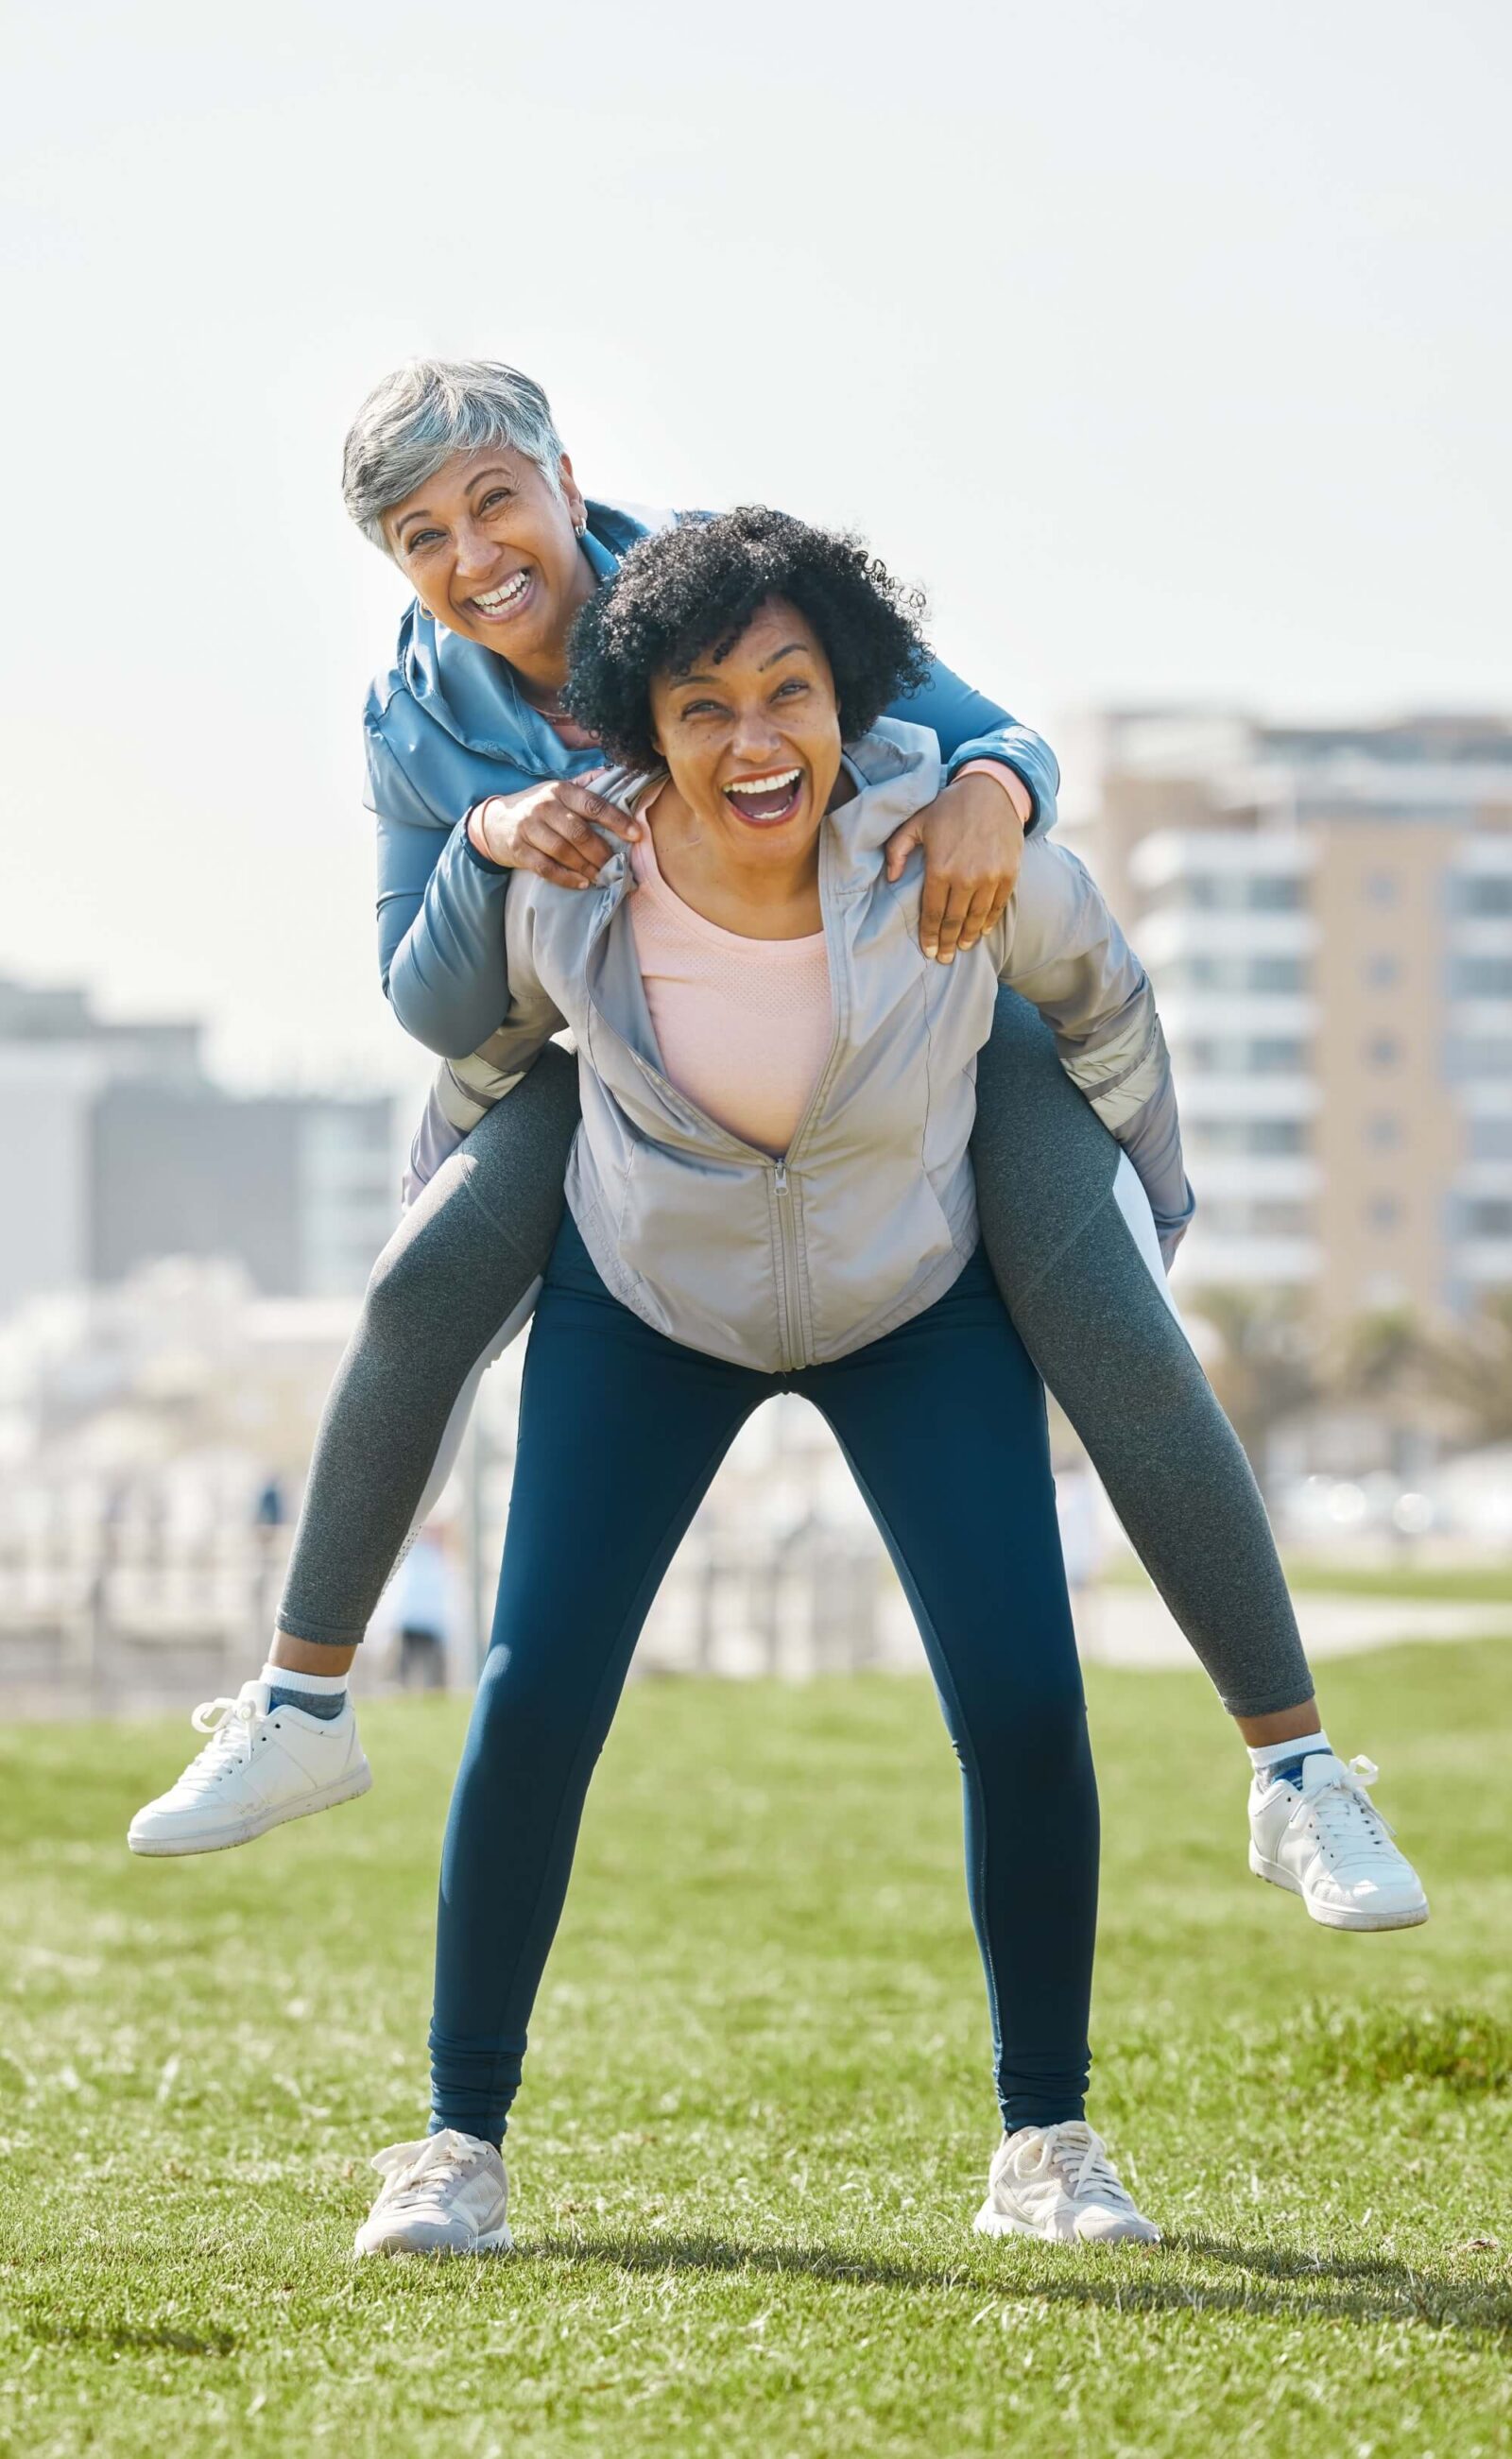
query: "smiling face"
753, 741
491, 551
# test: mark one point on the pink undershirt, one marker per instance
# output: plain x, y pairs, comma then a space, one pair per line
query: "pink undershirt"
745, 1025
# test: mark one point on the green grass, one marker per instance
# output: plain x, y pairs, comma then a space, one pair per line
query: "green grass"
1469, 1584
755, 2122
1409, 1583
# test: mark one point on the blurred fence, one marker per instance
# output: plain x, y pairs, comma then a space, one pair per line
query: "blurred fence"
101, 1619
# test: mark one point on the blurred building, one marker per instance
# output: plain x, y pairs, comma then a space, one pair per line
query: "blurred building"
1327, 915
125, 1150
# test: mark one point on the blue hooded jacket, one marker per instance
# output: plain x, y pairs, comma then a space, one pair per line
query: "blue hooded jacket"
446, 725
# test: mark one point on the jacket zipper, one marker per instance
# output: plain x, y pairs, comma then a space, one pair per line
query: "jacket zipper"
787, 1235
794, 1345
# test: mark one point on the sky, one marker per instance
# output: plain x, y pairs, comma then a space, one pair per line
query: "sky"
1167, 346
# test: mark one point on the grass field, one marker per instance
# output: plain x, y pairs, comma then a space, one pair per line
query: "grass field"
755, 2122
1433, 1582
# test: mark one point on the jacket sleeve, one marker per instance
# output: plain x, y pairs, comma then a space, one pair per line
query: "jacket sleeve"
464, 1089
440, 915
971, 727
1060, 947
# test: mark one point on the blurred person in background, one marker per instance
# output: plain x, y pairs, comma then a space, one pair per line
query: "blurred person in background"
476, 768
422, 1601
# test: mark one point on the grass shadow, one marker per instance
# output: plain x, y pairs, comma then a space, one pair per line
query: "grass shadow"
1361, 2289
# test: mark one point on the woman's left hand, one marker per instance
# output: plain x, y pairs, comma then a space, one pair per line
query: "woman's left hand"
973, 838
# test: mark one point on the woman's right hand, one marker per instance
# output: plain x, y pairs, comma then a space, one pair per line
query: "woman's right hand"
552, 829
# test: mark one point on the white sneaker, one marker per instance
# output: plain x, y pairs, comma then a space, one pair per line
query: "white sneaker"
1056, 2182
447, 2194
258, 1769
1327, 1843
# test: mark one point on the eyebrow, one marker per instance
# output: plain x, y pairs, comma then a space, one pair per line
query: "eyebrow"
790, 649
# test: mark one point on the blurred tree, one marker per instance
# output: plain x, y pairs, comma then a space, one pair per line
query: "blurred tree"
1265, 1367
1383, 1359
1471, 1367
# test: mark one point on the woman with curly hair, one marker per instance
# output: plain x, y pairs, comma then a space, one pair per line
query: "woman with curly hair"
771, 1191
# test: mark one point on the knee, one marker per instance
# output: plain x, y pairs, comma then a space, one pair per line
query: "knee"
532, 1714
395, 1298
1037, 1723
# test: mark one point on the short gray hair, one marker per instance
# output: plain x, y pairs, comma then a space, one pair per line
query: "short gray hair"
426, 411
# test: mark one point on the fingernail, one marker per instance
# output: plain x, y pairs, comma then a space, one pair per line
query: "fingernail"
931, 946
949, 958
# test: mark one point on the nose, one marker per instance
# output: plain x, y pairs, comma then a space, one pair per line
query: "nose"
755, 735
477, 552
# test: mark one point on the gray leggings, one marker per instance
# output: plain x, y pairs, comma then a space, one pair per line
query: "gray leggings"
459, 1276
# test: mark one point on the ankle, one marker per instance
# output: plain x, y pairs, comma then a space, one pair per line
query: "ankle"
322, 1696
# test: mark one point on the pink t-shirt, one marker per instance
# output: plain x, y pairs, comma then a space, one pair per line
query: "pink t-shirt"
745, 1025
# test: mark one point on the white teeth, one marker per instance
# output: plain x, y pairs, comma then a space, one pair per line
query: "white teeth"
764, 785
495, 598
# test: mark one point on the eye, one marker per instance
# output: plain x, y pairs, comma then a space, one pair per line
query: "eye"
495, 496
700, 708
421, 541
784, 691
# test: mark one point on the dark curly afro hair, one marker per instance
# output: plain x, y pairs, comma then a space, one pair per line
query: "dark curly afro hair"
689, 593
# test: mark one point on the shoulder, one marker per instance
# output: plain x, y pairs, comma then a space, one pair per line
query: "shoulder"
620, 525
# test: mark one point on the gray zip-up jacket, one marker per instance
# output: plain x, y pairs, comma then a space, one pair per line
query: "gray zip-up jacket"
871, 1212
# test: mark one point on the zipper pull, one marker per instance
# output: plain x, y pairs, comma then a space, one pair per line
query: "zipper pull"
782, 1178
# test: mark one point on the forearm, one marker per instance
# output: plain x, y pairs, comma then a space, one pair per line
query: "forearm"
970, 727
446, 976
1026, 757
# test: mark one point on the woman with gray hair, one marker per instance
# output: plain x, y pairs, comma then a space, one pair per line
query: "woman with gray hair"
476, 771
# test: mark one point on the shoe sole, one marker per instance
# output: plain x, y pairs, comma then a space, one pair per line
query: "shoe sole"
330, 1796
991, 2222
497, 2241
1335, 1916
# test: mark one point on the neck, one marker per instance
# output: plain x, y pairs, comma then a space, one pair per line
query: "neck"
543, 671
761, 899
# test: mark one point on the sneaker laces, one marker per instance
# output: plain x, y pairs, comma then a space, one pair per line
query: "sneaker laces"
1342, 1811
417, 2172
229, 1724
1079, 2159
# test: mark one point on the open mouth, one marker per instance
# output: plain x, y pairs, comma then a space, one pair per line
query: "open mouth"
767, 800
498, 606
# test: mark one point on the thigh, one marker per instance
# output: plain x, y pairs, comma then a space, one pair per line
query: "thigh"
512, 1165
621, 1433
1044, 1160
943, 1422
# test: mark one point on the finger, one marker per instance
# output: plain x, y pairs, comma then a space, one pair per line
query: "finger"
900, 845
1002, 897
531, 858
957, 905
977, 913
931, 912
581, 853
587, 845
581, 802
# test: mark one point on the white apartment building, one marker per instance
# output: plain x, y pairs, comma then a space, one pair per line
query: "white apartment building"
1327, 916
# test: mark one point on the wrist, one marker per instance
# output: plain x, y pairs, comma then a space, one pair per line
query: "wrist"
1007, 780
478, 835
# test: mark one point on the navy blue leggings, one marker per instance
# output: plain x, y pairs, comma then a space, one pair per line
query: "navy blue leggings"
944, 1423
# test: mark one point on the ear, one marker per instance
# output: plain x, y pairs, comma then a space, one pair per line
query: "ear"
573, 495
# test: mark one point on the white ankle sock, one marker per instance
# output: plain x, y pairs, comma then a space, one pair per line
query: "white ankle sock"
320, 1686
1270, 1754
